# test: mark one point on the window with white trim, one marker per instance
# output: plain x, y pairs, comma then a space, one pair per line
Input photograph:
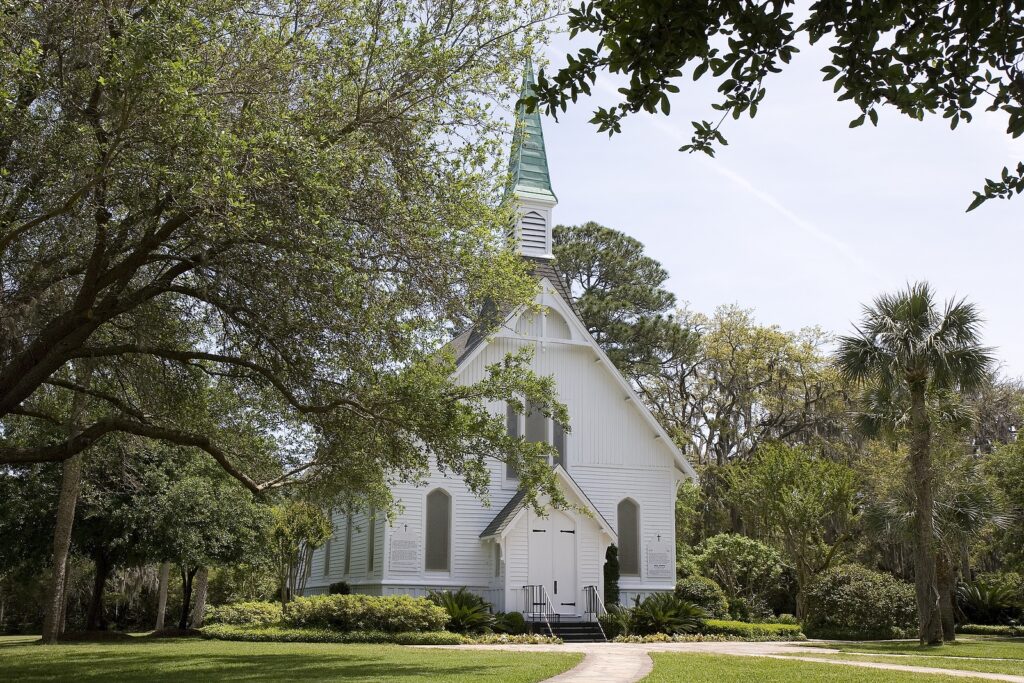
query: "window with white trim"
348, 543
371, 542
629, 537
439, 531
537, 428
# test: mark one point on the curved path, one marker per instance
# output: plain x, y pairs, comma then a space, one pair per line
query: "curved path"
630, 662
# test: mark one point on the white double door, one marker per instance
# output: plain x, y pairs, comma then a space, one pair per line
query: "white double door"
553, 558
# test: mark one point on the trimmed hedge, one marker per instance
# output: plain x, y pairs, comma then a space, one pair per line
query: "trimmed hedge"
392, 614
989, 630
277, 634
747, 631
851, 602
245, 614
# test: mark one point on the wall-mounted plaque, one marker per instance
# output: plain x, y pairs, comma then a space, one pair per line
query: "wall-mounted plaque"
404, 551
661, 561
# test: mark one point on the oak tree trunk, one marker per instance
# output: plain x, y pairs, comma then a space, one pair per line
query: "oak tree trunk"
161, 603
202, 581
187, 575
921, 481
96, 619
71, 480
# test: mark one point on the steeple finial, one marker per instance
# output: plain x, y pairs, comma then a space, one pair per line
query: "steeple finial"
528, 164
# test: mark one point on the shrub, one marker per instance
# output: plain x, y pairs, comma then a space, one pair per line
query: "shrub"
277, 634
245, 614
665, 613
617, 622
852, 602
611, 576
987, 603
339, 588
512, 623
740, 565
785, 619
705, 593
467, 612
393, 613
990, 630
745, 631
749, 609
515, 639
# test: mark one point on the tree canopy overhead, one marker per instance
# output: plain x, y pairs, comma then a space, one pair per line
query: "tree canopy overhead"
952, 58
246, 226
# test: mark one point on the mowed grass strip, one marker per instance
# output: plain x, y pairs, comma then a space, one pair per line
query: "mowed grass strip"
992, 666
699, 668
965, 646
190, 660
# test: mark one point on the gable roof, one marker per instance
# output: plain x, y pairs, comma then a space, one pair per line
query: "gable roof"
470, 343
464, 343
517, 505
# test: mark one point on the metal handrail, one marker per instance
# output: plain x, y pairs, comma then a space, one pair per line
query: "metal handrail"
595, 600
530, 594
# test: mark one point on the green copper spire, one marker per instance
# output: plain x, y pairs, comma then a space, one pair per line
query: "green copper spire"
528, 165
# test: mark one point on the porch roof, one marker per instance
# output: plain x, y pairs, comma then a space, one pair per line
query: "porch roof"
517, 504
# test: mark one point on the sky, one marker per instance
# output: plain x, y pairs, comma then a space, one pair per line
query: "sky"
801, 218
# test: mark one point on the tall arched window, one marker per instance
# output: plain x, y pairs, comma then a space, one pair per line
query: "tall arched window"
439, 531
629, 538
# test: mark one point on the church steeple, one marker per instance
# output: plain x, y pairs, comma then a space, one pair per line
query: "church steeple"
530, 181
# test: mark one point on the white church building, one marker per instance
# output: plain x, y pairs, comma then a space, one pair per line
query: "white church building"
617, 463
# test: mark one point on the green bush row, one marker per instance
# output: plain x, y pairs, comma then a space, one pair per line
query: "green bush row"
245, 614
990, 630
278, 634
392, 613
747, 631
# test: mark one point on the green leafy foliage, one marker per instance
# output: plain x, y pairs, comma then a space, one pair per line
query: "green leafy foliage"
278, 634
512, 623
467, 611
611, 576
704, 593
952, 58
853, 602
748, 631
339, 588
663, 613
245, 614
392, 613
801, 504
984, 602
742, 566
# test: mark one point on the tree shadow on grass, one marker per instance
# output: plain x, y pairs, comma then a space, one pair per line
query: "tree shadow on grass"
150, 663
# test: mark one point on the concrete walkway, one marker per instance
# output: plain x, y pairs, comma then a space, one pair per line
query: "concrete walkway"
630, 662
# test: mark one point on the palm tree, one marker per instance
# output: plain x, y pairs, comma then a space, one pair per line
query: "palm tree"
905, 344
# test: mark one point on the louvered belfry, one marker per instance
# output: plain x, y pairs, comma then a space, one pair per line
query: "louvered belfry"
530, 181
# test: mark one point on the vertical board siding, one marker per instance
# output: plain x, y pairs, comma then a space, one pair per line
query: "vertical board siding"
611, 451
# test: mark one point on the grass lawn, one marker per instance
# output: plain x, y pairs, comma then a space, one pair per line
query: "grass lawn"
163, 661
969, 653
964, 646
673, 668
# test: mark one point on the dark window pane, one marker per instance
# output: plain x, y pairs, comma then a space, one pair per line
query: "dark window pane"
629, 538
536, 425
559, 443
438, 531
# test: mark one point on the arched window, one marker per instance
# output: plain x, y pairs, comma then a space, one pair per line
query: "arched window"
629, 538
555, 326
439, 531
348, 543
